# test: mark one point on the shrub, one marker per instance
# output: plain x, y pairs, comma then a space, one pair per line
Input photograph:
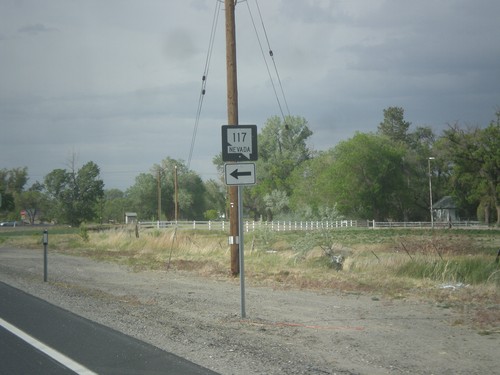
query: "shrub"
84, 232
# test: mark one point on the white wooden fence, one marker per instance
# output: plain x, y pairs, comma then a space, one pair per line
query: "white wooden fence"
250, 226
425, 224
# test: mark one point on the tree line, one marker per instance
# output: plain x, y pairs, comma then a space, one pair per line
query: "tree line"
380, 175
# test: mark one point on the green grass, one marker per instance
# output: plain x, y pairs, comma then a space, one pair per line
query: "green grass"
23, 231
468, 270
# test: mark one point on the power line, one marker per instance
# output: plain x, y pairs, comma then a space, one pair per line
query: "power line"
204, 78
272, 58
218, 6
271, 54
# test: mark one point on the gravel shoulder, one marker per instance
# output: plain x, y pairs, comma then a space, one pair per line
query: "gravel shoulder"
284, 332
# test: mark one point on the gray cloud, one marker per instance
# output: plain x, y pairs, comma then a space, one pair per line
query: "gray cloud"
35, 29
179, 45
122, 88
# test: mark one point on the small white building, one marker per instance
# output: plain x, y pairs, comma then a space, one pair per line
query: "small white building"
445, 210
130, 217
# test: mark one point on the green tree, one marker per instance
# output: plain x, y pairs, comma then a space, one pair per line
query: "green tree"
312, 188
418, 148
33, 202
475, 157
75, 193
192, 200
114, 206
422, 139
12, 182
394, 125
361, 178
368, 178
276, 202
282, 147
215, 197
8, 202
489, 154
143, 195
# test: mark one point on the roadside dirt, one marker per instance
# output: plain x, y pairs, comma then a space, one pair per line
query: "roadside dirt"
284, 332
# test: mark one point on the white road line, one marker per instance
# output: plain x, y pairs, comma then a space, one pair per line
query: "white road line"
54, 354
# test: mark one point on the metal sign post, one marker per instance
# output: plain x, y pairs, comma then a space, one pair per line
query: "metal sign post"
45, 244
239, 145
241, 248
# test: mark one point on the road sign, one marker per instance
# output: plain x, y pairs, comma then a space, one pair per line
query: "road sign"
239, 142
239, 174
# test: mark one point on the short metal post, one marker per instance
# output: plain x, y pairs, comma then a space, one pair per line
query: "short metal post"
45, 244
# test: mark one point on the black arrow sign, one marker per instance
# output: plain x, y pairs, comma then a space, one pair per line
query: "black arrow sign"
237, 174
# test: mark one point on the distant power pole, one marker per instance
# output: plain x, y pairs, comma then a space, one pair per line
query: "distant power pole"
232, 119
158, 189
176, 195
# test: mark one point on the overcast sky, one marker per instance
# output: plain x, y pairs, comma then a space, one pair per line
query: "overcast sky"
117, 82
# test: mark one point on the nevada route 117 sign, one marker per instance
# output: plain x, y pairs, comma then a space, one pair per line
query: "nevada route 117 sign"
239, 142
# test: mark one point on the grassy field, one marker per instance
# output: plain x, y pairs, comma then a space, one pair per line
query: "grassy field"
454, 268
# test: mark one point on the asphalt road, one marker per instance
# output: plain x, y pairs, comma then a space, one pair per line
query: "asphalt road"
60, 342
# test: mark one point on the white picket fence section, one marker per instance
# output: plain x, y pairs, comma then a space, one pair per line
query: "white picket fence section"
425, 224
279, 226
250, 226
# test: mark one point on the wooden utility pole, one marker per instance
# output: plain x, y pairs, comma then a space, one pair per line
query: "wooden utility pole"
158, 188
176, 195
232, 119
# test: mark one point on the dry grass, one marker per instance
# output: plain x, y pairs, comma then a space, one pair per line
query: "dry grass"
455, 269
